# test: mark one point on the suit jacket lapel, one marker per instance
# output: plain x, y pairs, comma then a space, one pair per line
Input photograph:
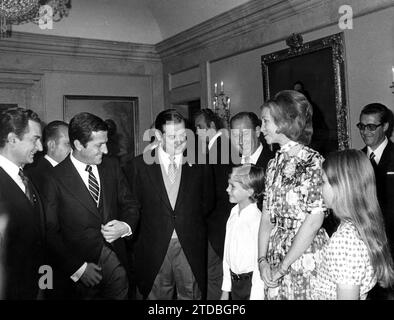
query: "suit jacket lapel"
20, 197
105, 191
153, 171
385, 159
186, 180
71, 180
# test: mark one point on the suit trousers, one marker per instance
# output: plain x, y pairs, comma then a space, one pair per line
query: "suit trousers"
113, 285
215, 274
175, 277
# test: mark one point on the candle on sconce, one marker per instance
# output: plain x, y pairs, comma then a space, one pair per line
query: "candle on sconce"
216, 88
221, 87
228, 104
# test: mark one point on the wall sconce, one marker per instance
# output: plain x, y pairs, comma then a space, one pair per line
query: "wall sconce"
392, 84
221, 104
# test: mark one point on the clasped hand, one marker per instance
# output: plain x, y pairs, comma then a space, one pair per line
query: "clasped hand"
113, 230
269, 275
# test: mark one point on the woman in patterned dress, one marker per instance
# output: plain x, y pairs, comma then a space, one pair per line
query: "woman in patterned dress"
290, 234
357, 255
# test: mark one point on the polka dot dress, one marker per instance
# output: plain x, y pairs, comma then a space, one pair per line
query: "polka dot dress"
345, 260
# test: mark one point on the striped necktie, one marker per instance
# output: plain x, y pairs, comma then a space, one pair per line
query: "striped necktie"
94, 188
372, 158
28, 189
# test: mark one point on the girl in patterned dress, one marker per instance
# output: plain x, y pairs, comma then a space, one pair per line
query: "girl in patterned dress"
290, 234
357, 255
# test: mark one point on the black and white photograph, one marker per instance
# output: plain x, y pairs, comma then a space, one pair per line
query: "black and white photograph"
210, 151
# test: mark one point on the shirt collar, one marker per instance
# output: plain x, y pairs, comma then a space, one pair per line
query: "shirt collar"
214, 138
165, 158
51, 161
378, 151
81, 166
245, 211
255, 156
11, 168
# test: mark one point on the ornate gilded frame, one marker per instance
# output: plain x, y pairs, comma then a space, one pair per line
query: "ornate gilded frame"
335, 43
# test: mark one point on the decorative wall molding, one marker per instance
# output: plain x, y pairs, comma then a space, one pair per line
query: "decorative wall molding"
21, 42
242, 19
257, 15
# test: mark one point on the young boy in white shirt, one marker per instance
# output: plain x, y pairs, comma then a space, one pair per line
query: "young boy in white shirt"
241, 274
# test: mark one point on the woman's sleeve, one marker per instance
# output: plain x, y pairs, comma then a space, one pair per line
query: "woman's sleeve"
311, 187
348, 261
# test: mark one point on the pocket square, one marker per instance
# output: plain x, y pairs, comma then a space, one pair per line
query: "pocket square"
390, 172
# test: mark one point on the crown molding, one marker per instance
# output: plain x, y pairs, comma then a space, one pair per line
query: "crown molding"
251, 16
22, 42
240, 20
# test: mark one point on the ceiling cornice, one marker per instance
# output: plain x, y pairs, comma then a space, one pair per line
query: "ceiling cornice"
240, 20
253, 15
22, 42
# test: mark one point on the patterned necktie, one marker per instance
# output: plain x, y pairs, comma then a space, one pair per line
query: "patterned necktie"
372, 158
94, 188
28, 189
172, 170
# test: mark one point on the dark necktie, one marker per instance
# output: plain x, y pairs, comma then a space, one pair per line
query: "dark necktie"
372, 158
94, 188
28, 188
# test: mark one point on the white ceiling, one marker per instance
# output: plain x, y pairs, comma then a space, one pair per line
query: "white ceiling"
139, 21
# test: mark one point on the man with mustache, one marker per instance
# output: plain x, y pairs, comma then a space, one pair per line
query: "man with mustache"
174, 196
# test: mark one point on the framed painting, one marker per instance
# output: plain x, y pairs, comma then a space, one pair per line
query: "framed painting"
121, 116
316, 69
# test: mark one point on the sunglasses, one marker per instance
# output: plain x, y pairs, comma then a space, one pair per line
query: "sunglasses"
369, 127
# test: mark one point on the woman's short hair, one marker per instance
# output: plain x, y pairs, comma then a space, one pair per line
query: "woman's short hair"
292, 113
250, 177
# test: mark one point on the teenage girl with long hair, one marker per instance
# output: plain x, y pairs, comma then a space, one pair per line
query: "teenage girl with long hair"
357, 255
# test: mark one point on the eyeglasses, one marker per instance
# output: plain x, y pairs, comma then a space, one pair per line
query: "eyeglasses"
369, 126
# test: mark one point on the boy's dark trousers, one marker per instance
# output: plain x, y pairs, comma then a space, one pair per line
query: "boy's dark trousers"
241, 284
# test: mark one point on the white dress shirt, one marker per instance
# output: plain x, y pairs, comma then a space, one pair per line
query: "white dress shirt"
51, 161
241, 248
13, 171
378, 151
254, 157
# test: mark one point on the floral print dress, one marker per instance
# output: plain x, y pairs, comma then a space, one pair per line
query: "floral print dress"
293, 191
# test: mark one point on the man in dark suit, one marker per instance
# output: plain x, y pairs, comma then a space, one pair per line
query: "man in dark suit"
245, 133
89, 210
20, 134
56, 148
221, 155
175, 197
375, 129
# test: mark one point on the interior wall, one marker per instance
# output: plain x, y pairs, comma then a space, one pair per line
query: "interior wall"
58, 84
369, 59
48, 77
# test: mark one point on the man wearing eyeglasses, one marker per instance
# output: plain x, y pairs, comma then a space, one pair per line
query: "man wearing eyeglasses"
375, 126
